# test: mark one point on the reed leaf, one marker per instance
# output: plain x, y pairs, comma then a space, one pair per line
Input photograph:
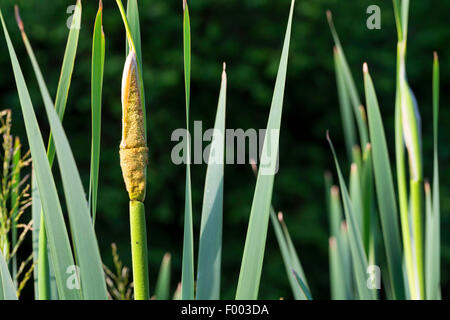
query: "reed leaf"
187, 275
163, 281
252, 260
384, 189
210, 245
98, 62
61, 253
358, 255
7, 288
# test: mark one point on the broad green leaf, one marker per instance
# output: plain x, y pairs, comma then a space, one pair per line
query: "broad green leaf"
359, 258
252, 260
187, 274
210, 245
385, 189
163, 282
98, 61
61, 253
7, 288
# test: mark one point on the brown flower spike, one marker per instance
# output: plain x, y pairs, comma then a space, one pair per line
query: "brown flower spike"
133, 147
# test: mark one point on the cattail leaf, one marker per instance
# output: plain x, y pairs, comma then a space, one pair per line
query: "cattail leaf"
349, 83
302, 285
65, 78
356, 196
348, 122
337, 281
433, 225
98, 62
187, 274
252, 260
210, 245
61, 253
163, 281
359, 258
285, 254
384, 189
7, 288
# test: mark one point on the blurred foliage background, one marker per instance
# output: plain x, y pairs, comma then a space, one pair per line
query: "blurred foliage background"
248, 35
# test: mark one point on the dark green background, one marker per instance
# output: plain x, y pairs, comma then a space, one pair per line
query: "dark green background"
248, 35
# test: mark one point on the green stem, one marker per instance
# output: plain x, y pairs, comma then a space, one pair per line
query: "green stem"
43, 264
139, 250
416, 206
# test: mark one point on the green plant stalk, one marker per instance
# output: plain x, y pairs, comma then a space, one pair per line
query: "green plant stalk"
43, 263
401, 184
139, 250
411, 136
15, 202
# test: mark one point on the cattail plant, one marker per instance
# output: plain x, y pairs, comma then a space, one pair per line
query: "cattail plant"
133, 161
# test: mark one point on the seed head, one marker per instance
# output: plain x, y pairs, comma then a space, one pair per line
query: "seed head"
133, 147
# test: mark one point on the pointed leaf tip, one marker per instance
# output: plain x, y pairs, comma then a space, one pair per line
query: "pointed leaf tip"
365, 68
334, 191
18, 19
280, 216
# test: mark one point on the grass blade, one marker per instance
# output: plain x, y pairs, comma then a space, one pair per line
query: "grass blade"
163, 282
58, 239
295, 261
210, 247
66, 73
433, 269
348, 123
337, 281
302, 285
359, 258
252, 261
84, 240
98, 61
187, 275
7, 288
385, 189
349, 83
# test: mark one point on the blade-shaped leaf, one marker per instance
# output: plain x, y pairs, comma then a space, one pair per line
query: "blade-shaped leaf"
7, 288
359, 258
348, 122
163, 282
98, 61
187, 275
210, 246
252, 260
66, 73
58, 239
384, 188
